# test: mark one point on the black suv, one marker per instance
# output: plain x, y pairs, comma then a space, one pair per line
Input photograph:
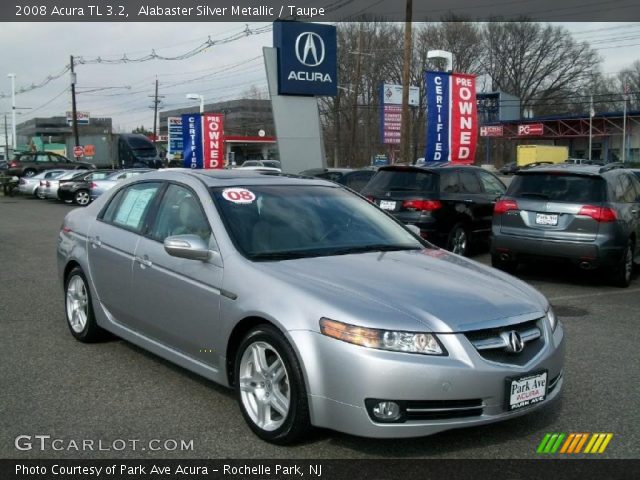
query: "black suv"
583, 214
29, 164
452, 205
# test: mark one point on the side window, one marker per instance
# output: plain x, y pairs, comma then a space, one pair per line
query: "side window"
491, 184
42, 158
449, 182
636, 186
129, 207
627, 190
180, 213
469, 182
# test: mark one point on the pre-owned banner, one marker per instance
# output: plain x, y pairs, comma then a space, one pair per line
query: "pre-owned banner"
452, 117
192, 140
213, 141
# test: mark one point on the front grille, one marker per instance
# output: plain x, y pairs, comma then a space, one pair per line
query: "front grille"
490, 343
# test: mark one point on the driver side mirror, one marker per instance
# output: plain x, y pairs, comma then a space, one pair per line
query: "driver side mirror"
191, 247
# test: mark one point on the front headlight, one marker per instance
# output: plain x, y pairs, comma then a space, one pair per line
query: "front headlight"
396, 341
553, 321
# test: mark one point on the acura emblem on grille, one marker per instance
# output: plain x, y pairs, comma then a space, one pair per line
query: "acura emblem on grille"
514, 341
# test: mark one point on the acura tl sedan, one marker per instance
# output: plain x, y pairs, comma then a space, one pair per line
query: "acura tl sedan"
317, 307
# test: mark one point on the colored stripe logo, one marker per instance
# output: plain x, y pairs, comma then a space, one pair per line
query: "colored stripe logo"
573, 443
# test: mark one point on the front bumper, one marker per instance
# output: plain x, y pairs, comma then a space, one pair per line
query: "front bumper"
340, 376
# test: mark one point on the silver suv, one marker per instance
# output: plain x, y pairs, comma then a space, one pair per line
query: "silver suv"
587, 215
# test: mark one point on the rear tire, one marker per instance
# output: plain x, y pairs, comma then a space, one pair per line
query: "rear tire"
621, 276
82, 197
508, 266
79, 309
270, 387
458, 240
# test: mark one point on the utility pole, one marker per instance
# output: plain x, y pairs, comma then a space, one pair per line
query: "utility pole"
74, 113
156, 102
624, 122
6, 139
405, 132
591, 114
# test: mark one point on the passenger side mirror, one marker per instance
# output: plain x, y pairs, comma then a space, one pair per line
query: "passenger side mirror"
191, 247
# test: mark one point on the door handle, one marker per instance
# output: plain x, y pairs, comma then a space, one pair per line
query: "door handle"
95, 242
144, 261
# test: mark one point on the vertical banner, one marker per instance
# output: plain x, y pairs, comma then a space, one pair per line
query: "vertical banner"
192, 140
452, 117
213, 140
464, 118
438, 105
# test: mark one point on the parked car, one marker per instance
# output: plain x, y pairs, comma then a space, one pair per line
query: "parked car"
4, 165
29, 164
586, 215
49, 187
261, 163
98, 187
30, 185
452, 205
314, 305
509, 168
76, 189
584, 161
354, 179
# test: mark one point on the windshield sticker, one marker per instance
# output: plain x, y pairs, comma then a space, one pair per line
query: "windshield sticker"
238, 195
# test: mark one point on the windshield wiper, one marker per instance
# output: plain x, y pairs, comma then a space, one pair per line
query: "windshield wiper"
373, 248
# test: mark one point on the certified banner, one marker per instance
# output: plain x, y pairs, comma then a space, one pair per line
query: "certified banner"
213, 140
192, 140
452, 117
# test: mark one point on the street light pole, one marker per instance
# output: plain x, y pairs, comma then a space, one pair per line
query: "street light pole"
196, 96
591, 114
12, 76
74, 113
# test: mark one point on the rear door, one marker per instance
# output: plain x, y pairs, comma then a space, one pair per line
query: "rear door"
475, 200
551, 206
112, 242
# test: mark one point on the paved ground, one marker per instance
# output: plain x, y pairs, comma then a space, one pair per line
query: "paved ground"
53, 385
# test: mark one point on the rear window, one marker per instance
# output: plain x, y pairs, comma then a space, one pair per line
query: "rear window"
403, 180
559, 187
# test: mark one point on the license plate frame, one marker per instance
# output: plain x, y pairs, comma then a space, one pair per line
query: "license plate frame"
388, 204
547, 219
515, 399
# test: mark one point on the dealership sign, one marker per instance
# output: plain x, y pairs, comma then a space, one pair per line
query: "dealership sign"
213, 140
392, 95
531, 129
452, 117
391, 111
82, 118
306, 58
491, 131
174, 143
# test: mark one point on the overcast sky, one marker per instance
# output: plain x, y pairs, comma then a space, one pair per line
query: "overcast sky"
35, 51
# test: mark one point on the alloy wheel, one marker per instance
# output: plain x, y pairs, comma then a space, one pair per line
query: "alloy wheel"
459, 241
264, 386
77, 303
82, 197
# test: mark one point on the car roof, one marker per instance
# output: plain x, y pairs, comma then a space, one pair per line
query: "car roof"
428, 168
234, 177
573, 169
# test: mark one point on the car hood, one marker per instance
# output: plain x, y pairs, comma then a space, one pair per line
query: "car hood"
442, 291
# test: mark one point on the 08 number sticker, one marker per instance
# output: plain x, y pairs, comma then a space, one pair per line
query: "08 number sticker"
238, 195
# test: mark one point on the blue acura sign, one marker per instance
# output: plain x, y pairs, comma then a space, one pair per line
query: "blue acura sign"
306, 58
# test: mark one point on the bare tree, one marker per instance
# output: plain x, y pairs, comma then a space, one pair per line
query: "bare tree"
539, 63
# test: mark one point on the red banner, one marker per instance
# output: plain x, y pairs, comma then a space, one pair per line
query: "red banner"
530, 129
213, 140
464, 118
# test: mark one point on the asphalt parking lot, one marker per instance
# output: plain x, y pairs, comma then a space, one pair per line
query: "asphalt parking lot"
54, 385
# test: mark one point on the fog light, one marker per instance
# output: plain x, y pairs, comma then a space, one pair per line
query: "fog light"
386, 411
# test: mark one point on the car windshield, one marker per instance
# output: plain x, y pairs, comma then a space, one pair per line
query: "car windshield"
559, 187
403, 180
269, 222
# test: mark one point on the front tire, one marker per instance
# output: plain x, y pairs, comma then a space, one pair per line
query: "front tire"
270, 387
79, 309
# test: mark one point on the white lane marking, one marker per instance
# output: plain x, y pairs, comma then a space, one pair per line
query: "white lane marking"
597, 294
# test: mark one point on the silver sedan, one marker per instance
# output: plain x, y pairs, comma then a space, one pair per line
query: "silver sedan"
31, 185
318, 308
98, 187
